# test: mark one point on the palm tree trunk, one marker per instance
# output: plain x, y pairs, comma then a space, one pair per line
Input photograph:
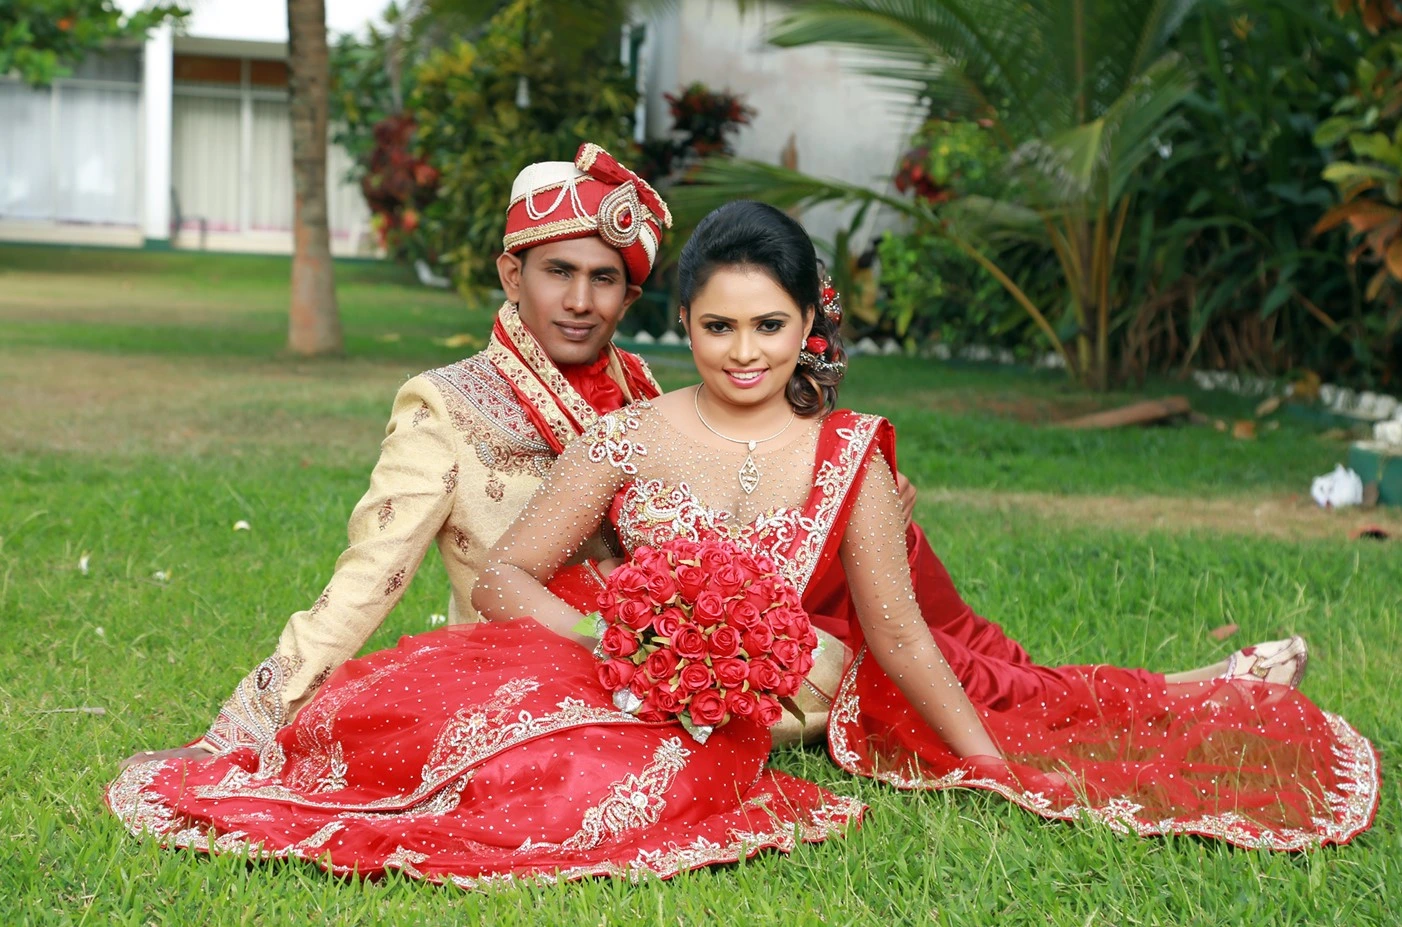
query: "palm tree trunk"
315, 323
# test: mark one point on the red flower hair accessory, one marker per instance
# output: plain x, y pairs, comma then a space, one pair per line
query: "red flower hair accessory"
831, 301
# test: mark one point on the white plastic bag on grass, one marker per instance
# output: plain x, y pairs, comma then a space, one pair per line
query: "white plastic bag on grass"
1336, 490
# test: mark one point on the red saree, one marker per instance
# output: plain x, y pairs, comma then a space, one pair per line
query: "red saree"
1244, 761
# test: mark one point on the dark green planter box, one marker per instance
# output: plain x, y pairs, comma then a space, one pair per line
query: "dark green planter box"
1381, 464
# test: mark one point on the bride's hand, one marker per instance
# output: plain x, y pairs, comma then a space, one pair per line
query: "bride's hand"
1030, 780
605, 567
178, 753
907, 494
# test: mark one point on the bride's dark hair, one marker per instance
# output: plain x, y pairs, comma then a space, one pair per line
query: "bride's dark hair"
750, 234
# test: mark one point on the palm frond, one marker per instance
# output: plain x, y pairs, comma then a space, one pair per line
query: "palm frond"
1091, 164
982, 47
721, 180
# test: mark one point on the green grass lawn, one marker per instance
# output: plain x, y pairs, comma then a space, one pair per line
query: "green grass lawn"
147, 408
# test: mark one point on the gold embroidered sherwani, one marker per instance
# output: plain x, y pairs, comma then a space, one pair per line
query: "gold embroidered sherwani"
460, 458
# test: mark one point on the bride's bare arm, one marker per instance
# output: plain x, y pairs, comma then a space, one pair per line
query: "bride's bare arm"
878, 575
564, 512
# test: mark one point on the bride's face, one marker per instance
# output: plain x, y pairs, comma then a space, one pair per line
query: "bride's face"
746, 332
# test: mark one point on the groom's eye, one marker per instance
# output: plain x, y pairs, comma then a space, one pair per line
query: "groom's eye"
717, 328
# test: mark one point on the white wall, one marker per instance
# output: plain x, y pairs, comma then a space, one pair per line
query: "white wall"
845, 125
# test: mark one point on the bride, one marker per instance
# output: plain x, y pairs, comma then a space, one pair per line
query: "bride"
478, 754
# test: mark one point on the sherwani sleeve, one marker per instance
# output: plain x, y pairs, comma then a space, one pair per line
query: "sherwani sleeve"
410, 498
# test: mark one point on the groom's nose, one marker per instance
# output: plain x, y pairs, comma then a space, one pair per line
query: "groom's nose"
579, 295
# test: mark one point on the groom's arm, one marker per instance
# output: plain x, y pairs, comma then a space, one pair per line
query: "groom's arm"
411, 496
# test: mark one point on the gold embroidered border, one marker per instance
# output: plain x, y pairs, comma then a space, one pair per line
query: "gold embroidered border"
539, 380
835, 481
830, 819
538, 233
573, 713
1354, 804
540, 365
143, 816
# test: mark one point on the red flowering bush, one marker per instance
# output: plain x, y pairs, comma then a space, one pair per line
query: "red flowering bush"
704, 632
398, 185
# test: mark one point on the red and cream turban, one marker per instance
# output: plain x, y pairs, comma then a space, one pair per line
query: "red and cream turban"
595, 195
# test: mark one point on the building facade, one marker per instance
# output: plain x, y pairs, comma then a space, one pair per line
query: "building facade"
185, 141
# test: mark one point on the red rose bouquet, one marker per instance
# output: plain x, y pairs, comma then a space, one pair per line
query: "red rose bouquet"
703, 632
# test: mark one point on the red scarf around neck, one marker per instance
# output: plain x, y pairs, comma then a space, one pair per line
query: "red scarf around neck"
562, 401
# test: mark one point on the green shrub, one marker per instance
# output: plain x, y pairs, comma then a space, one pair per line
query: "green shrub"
1228, 273
928, 289
473, 132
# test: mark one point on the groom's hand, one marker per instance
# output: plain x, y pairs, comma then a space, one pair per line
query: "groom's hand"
907, 494
179, 753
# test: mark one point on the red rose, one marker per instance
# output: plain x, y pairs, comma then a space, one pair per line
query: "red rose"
695, 677
796, 623
708, 707
607, 602
742, 704
709, 609
769, 711
788, 685
615, 675
651, 715
730, 673
619, 642
683, 549
764, 675
661, 588
762, 594
765, 566
810, 639
668, 622
660, 664
724, 641
745, 616
713, 556
650, 560
665, 699
805, 663
635, 613
757, 640
730, 579
787, 651
688, 642
692, 580
628, 581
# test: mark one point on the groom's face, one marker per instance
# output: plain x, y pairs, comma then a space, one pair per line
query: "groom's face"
572, 295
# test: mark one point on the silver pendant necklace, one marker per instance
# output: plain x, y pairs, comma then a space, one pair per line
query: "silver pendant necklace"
749, 471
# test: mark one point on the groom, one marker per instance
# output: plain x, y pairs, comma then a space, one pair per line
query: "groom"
467, 444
